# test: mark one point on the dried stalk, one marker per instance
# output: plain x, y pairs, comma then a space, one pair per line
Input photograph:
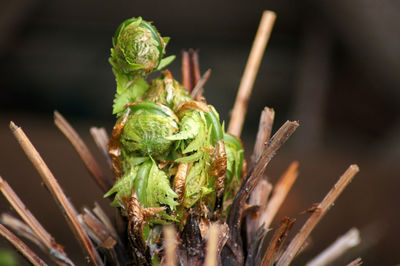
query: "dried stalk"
97, 229
105, 220
25, 214
337, 248
101, 138
356, 262
277, 241
83, 151
280, 192
21, 247
322, 208
261, 192
194, 66
22, 229
258, 198
170, 244
212, 248
46, 241
250, 72
197, 90
57, 193
186, 77
263, 134
234, 244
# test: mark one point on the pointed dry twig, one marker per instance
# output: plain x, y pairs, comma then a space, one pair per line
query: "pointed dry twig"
317, 215
264, 133
186, 76
55, 189
261, 192
234, 220
105, 220
46, 241
83, 151
337, 248
25, 214
250, 72
118, 253
22, 229
21, 247
212, 246
279, 194
258, 197
98, 230
279, 237
356, 262
194, 65
197, 90
170, 244
101, 138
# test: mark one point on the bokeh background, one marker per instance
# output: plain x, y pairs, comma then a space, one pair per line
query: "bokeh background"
332, 65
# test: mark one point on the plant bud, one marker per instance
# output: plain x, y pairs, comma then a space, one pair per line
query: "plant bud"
145, 132
137, 47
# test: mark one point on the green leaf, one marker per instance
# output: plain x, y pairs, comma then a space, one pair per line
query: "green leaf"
194, 183
123, 187
130, 92
158, 189
193, 129
166, 40
165, 62
189, 127
141, 182
190, 158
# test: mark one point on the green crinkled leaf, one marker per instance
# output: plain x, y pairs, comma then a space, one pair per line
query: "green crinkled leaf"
234, 156
193, 129
130, 92
189, 128
165, 62
201, 140
131, 160
158, 189
123, 187
190, 158
194, 184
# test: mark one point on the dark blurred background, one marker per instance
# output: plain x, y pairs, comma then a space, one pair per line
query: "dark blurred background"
333, 65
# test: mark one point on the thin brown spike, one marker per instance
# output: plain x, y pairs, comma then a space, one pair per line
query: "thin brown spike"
186, 73
356, 262
83, 151
347, 241
21, 247
297, 242
258, 197
195, 65
101, 138
279, 194
197, 91
279, 237
264, 133
22, 229
46, 241
250, 73
56, 191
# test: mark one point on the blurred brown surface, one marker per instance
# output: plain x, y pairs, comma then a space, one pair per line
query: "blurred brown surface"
333, 65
